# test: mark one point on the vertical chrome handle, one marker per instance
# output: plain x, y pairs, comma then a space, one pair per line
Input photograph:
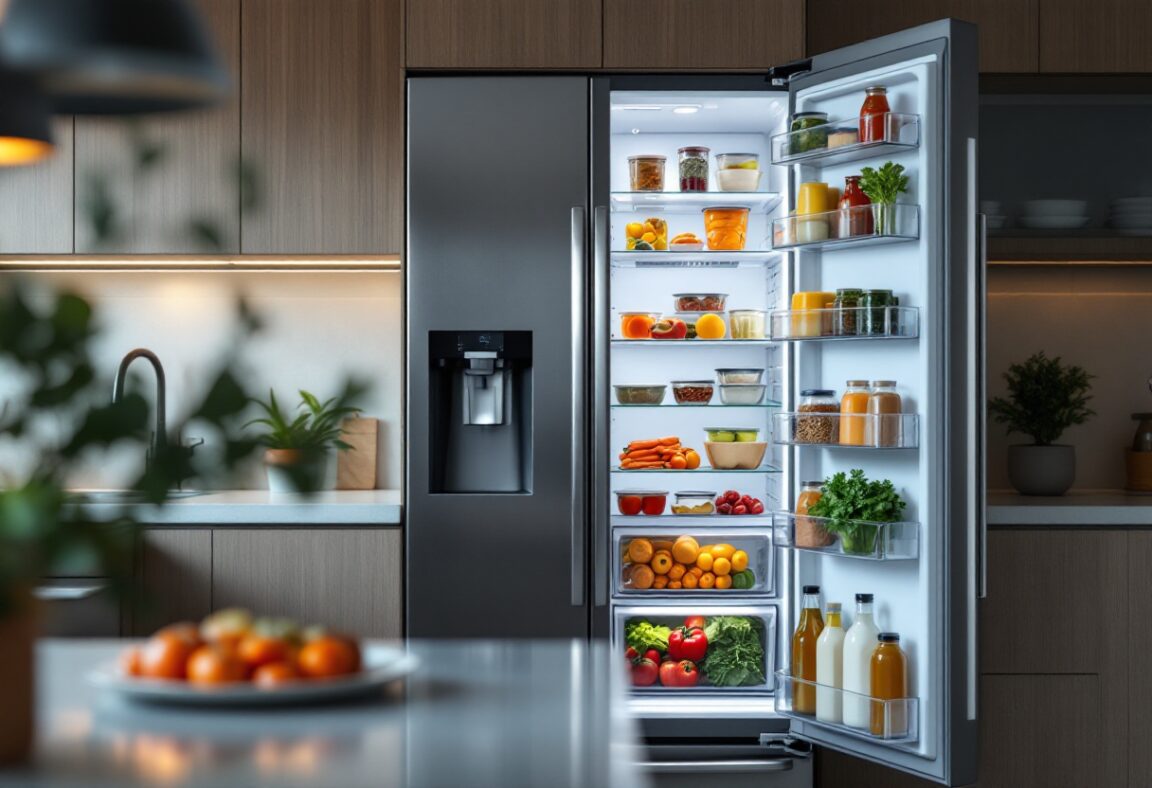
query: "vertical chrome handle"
579, 386
981, 406
600, 374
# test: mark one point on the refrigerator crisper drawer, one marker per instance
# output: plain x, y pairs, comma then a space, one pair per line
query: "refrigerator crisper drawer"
762, 619
744, 560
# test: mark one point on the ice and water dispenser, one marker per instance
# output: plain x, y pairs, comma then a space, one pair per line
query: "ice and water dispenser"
480, 409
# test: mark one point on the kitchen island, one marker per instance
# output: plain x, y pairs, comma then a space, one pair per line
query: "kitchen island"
502, 713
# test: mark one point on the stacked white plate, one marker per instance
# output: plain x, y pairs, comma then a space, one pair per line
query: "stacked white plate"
1131, 215
994, 215
1055, 214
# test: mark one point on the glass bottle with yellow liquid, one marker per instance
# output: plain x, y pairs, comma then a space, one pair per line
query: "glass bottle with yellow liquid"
889, 682
804, 651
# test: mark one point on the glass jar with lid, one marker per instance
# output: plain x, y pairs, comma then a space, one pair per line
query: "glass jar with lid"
853, 407
809, 132
809, 532
693, 169
873, 320
845, 321
884, 422
809, 428
646, 173
874, 114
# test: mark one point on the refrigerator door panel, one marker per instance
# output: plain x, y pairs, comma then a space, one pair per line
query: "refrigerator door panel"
498, 215
931, 601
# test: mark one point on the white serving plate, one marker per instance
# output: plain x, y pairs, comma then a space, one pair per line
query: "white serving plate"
1054, 222
382, 665
1055, 207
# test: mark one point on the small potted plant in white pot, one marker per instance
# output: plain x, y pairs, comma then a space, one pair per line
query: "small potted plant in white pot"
1045, 397
298, 450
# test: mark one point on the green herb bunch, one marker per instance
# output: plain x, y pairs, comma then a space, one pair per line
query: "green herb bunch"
883, 186
735, 656
1045, 397
852, 505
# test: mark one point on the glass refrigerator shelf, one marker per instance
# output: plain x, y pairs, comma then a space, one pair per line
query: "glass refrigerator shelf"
858, 322
850, 539
702, 469
860, 225
873, 431
838, 142
702, 259
765, 404
690, 203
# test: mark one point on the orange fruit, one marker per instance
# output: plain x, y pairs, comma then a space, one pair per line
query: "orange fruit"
723, 551
640, 551
165, 656
661, 544
690, 581
674, 585
660, 581
634, 229
739, 561
704, 560
677, 462
130, 661
215, 665
721, 566
226, 627
685, 549
707, 580
275, 673
710, 326
724, 582
328, 656
257, 650
695, 571
661, 563
677, 571
185, 630
642, 576
691, 459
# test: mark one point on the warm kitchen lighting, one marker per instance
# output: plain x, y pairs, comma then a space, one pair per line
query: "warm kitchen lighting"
333, 263
25, 135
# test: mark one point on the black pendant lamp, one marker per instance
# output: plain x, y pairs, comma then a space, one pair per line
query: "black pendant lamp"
25, 130
115, 57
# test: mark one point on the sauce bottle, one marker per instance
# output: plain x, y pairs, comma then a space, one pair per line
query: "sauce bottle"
889, 675
854, 222
853, 406
804, 652
830, 668
884, 422
859, 643
874, 114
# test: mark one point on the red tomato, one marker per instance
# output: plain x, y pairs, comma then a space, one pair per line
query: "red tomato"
644, 672
686, 673
694, 621
653, 504
687, 643
653, 655
629, 504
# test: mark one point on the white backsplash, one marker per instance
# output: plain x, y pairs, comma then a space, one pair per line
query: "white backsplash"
319, 328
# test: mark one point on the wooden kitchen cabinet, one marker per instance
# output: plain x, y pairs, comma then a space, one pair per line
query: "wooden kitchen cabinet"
36, 201
512, 34
346, 579
193, 183
717, 35
173, 579
1008, 31
1138, 636
323, 125
1095, 36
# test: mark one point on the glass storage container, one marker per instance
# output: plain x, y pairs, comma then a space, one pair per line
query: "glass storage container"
747, 323
693, 169
646, 173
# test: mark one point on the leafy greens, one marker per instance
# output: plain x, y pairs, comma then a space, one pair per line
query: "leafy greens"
643, 635
735, 655
853, 505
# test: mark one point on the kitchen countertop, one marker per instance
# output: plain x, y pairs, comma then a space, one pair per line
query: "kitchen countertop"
1087, 508
477, 713
260, 507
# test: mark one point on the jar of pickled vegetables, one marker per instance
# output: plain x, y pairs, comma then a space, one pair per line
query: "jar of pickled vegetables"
726, 228
693, 169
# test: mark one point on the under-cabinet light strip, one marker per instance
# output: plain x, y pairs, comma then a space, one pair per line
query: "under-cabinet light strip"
199, 263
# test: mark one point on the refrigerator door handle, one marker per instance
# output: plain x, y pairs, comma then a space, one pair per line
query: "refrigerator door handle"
737, 766
600, 375
981, 408
579, 384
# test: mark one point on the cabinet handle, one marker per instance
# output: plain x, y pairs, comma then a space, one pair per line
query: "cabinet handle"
579, 402
749, 766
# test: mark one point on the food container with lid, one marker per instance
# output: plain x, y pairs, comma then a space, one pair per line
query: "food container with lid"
634, 502
732, 434
738, 180
737, 375
689, 319
809, 132
738, 455
646, 173
742, 393
695, 502
640, 394
693, 169
726, 227
700, 302
637, 325
747, 323
692, 392
737, 161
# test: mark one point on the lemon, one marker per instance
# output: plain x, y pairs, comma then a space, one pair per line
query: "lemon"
635, 229
710, 326
747, 165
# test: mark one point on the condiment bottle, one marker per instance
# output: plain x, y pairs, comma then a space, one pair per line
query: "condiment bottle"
889, 677
853, 406
874, 114
830, 667
859, 643
855, 217
808, 530
884, 422
804, 652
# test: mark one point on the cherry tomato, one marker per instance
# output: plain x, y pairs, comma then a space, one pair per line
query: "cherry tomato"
740, 509
757, 508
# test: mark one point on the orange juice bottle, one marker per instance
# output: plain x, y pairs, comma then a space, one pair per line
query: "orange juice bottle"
853, 407
804, 652
889, 682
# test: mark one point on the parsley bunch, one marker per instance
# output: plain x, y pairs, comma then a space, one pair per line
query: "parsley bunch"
853, 504
883, 186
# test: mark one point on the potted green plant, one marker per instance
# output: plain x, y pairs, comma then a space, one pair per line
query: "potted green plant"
1045, 397
883, 186
855, 508
298, 448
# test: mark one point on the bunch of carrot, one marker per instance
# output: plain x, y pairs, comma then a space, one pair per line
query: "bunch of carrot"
658, 453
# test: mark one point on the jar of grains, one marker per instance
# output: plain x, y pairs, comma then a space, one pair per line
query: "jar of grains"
816, 429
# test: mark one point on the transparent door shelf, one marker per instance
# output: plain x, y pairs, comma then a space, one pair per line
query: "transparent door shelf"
870, 541
811, 146
862, 430
892, 721
756, 546
702, 259
861, 225
764, 404
713, 343
701, 469
692, 202
855, 322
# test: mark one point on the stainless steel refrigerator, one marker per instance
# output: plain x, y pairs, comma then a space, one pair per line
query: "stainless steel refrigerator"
528, 250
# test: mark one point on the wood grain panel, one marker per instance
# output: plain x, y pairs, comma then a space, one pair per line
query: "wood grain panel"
1095, 36
36, 201
520, 34
323, 121
1139, 640
345, 579
1009, 31
686, 34
193, 181
174, 579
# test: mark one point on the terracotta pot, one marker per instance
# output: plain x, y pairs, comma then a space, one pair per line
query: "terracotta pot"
18, 630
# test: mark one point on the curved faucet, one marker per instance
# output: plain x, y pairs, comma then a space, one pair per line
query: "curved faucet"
160, 437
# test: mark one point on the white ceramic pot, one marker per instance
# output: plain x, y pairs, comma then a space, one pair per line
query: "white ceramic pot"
1042, 470
282, 464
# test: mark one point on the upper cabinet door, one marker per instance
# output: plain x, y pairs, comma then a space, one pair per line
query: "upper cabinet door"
1007, 29
167, 184
716, 35
1094, 36
36, 201
323, 126
514, 34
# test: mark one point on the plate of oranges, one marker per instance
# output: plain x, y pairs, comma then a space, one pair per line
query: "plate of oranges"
234, 659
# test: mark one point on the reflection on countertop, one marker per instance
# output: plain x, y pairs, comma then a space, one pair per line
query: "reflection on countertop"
1089, 508
260, 507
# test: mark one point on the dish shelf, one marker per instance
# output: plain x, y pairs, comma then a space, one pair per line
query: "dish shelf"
701, 259
892, 721
856, 322
692, 202
713, 343
757, 559
702, 469
870, 541
875, 431
810, 146
765, 404
860, 225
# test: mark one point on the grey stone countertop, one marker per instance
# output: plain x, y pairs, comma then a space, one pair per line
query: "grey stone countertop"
475, 713
260, 507
1086, 508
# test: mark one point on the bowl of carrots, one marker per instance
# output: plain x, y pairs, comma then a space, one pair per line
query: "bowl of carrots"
659, 454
